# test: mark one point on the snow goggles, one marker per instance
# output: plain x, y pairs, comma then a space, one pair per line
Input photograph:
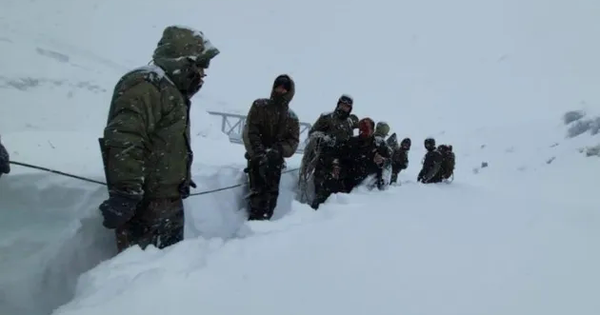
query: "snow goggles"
345, 100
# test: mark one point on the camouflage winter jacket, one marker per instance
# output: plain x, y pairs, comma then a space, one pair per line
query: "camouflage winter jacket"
146, 144
271, 123
337, 128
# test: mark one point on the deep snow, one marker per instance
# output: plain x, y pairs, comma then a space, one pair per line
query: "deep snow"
478, 254
492, 78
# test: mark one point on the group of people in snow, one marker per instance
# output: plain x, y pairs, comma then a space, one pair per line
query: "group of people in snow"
335, 160
147, 154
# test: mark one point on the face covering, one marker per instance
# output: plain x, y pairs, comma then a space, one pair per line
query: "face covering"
341, 113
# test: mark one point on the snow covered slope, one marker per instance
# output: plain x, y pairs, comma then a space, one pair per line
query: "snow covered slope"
493, 78
465, 251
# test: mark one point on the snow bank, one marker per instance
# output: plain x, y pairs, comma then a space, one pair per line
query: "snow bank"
51, 231
466, 251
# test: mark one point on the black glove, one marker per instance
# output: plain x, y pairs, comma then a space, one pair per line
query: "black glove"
184, 189
4, 161
275, 153
118, 209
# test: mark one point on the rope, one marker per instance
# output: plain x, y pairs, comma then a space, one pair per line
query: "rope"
206, 192
57, 172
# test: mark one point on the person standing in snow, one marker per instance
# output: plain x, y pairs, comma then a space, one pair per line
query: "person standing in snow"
146, 145
382, 130
432, 163
400, 159
332, 127
448, 161
337, 124
4, 160
271, 133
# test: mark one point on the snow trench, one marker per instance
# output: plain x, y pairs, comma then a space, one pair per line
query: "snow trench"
53, 231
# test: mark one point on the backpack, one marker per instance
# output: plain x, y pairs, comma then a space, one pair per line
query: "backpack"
392, 141
448, 161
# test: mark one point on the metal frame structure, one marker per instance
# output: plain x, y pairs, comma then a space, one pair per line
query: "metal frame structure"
233, 125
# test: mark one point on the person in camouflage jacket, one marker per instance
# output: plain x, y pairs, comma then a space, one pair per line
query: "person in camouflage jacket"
382, 130
271, 133
337, 124
146, 145
4, 161
329, 129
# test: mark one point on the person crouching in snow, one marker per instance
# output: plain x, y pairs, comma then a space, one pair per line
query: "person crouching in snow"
146, 145
365, 155
348, 164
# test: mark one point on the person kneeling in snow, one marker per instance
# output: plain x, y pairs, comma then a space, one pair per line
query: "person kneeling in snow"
4, 160
146, 145
271, 133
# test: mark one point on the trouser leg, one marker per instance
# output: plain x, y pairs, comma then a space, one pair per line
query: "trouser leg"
321, 191
264, 190
157, 222
273, 181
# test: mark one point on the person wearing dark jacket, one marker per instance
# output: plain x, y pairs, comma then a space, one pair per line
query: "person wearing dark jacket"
4, 160
336, 126
400, 159
430, 173
271, 133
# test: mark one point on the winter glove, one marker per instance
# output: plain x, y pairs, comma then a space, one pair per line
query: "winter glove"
118, 209
378, 159
335, 169
275, 154
4, 161
260, 162
184, 190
